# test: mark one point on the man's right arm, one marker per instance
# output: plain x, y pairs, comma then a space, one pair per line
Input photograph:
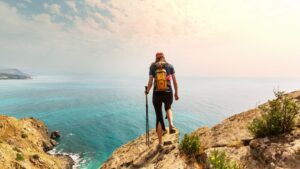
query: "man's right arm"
175, 86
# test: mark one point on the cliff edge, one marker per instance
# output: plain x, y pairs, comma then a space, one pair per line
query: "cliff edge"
24, 143
136, 154
230, 136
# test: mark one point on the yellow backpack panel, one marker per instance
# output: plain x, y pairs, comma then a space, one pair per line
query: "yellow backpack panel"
161, 80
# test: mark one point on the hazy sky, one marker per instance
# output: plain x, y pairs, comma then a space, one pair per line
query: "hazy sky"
120, 37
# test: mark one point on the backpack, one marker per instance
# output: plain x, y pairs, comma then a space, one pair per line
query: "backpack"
161, 76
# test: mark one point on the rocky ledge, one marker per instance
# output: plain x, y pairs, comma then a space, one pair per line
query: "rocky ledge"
136, 154
24, 144
231, 136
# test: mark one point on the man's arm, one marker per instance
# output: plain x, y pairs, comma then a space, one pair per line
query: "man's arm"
150, 83
175, 86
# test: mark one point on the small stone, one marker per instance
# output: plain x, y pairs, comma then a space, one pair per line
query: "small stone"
53, 142
167, 143
266, 139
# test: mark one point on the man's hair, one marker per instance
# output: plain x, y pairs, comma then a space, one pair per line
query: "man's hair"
159, 56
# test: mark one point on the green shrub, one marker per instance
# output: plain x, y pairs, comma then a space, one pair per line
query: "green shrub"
190, 144
219, 160
20, 157
278, 116
23, 135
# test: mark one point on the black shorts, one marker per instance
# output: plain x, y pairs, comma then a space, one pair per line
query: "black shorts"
158, 99
162, 97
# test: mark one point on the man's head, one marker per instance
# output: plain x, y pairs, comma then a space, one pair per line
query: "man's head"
160, 57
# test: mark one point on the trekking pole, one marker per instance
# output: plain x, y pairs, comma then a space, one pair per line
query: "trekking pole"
147, 120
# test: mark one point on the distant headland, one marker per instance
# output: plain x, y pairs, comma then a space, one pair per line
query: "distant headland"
6, 74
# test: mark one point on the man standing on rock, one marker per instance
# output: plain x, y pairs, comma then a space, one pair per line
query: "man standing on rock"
162, 73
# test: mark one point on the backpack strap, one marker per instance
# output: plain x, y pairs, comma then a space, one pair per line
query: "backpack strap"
163, 65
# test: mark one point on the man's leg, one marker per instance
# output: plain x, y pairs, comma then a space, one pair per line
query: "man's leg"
170, 117
159, 133
168, 100
160, 126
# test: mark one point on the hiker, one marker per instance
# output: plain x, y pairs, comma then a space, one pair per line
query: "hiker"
162, 73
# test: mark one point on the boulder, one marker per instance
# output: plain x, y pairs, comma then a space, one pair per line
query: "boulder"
55, 135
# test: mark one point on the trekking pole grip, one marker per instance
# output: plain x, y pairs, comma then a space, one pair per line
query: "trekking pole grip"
146, 87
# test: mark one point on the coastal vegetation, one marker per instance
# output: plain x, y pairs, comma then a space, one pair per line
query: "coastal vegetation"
190, 144
20, 157
219, 160
278, 116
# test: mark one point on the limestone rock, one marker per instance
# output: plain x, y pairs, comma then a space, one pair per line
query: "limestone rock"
29, 138
55, 135
281, 151
232, 136
136, 154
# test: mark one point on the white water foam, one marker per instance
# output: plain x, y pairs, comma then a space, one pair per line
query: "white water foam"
79, 161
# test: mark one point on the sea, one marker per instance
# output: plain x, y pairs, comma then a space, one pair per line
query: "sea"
96, 115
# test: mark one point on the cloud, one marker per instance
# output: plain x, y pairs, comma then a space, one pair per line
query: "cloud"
46, 5
21, 5
95, 3
54, 8
28, 1
211, 37
72, 4
42, 18
45, 46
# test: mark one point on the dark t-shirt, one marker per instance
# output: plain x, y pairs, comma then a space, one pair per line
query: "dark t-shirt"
170, 71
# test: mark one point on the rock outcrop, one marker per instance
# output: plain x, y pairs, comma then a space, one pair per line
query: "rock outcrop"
13, 74
136, 154
24, 143
231, 136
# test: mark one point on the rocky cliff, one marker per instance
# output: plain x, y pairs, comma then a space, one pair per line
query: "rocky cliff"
24, 143
136, 154
231, 136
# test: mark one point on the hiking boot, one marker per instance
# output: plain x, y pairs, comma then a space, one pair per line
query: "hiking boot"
172, 130
159, 147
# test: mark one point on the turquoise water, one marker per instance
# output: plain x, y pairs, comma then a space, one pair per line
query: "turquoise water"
97, 115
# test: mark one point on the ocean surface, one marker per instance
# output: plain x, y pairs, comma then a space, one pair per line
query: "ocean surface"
96, 115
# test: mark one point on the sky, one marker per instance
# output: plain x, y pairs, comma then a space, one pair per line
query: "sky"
117, 37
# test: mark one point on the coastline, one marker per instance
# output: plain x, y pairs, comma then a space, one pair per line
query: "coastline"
26, 143
74, 159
